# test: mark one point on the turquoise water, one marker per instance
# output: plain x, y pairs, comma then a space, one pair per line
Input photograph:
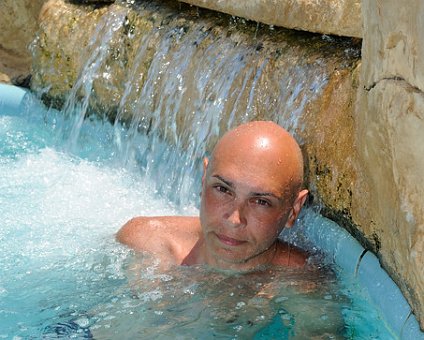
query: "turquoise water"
62, 271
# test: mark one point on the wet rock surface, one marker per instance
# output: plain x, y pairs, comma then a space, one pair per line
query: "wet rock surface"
338, 17
250, 72
276, 66
18, 25
390, 142
278, 50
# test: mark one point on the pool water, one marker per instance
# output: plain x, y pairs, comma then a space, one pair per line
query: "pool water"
63, 275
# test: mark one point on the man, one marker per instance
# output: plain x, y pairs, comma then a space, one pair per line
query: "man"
251, 190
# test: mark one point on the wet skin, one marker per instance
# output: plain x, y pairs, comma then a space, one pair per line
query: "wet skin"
251, 190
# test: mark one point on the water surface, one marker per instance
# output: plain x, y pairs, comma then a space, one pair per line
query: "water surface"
63, 272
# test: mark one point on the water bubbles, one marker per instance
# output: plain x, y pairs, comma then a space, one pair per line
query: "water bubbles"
106, 75
285, 316
82, 322
281, 299
327, 38
61, 243
191, 290
240, 305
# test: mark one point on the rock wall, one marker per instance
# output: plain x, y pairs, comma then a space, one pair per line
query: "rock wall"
295, 66
339, 17
57, 63
18, 24
390, 141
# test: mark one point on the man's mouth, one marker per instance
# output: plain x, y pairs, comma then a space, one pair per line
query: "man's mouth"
229, 241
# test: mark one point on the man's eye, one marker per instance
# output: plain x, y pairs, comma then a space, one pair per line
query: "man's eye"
262, 202
222, 189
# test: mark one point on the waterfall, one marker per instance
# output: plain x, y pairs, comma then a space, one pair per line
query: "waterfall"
174, 81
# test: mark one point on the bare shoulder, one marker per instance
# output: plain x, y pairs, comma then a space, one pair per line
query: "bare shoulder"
289, 255
169, 237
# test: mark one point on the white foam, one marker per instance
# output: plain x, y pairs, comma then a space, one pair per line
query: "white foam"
56, 204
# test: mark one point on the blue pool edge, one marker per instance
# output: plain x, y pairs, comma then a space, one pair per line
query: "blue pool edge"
11, 97
330, 238
355, 261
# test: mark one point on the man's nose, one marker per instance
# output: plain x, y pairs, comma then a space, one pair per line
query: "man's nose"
236, 215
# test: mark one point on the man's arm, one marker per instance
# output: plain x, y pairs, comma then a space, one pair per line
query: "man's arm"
169, 237
136, 233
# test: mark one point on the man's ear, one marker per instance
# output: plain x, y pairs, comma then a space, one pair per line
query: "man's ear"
205, 167
297, 206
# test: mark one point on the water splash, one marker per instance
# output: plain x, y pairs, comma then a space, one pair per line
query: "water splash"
98, 50
184, 80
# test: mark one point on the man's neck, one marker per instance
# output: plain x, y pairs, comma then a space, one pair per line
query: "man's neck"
200, 254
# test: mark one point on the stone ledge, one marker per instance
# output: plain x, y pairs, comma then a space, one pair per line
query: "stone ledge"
337, 17
390, 146
356, 263
18, 25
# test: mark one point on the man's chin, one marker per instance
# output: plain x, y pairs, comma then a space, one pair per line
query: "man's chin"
227, 256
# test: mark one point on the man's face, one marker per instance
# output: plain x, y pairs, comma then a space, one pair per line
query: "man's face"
243, 210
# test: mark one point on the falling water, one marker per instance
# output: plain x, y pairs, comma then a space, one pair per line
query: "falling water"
77, 103
182, 80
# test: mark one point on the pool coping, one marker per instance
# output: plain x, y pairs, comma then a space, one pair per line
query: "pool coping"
330, 238
362, 264
11, 97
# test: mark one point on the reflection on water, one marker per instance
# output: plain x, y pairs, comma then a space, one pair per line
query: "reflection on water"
197, 302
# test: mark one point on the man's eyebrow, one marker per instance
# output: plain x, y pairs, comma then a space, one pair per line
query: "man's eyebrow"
259, 194
266, 194
230, 184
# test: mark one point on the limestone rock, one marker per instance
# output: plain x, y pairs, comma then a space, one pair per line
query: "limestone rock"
391, 143
18, 25
304, 82
339, 17
391, 147
92, 1
57, 63
329, 145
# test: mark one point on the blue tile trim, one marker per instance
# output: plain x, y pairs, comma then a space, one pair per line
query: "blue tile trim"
348, 254
354, 260
11, 97
411, 329
334, 241
384, 292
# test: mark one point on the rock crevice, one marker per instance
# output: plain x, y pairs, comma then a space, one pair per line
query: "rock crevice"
399, 79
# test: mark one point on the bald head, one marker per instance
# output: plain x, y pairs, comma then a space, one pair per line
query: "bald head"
251, 191
264, 149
